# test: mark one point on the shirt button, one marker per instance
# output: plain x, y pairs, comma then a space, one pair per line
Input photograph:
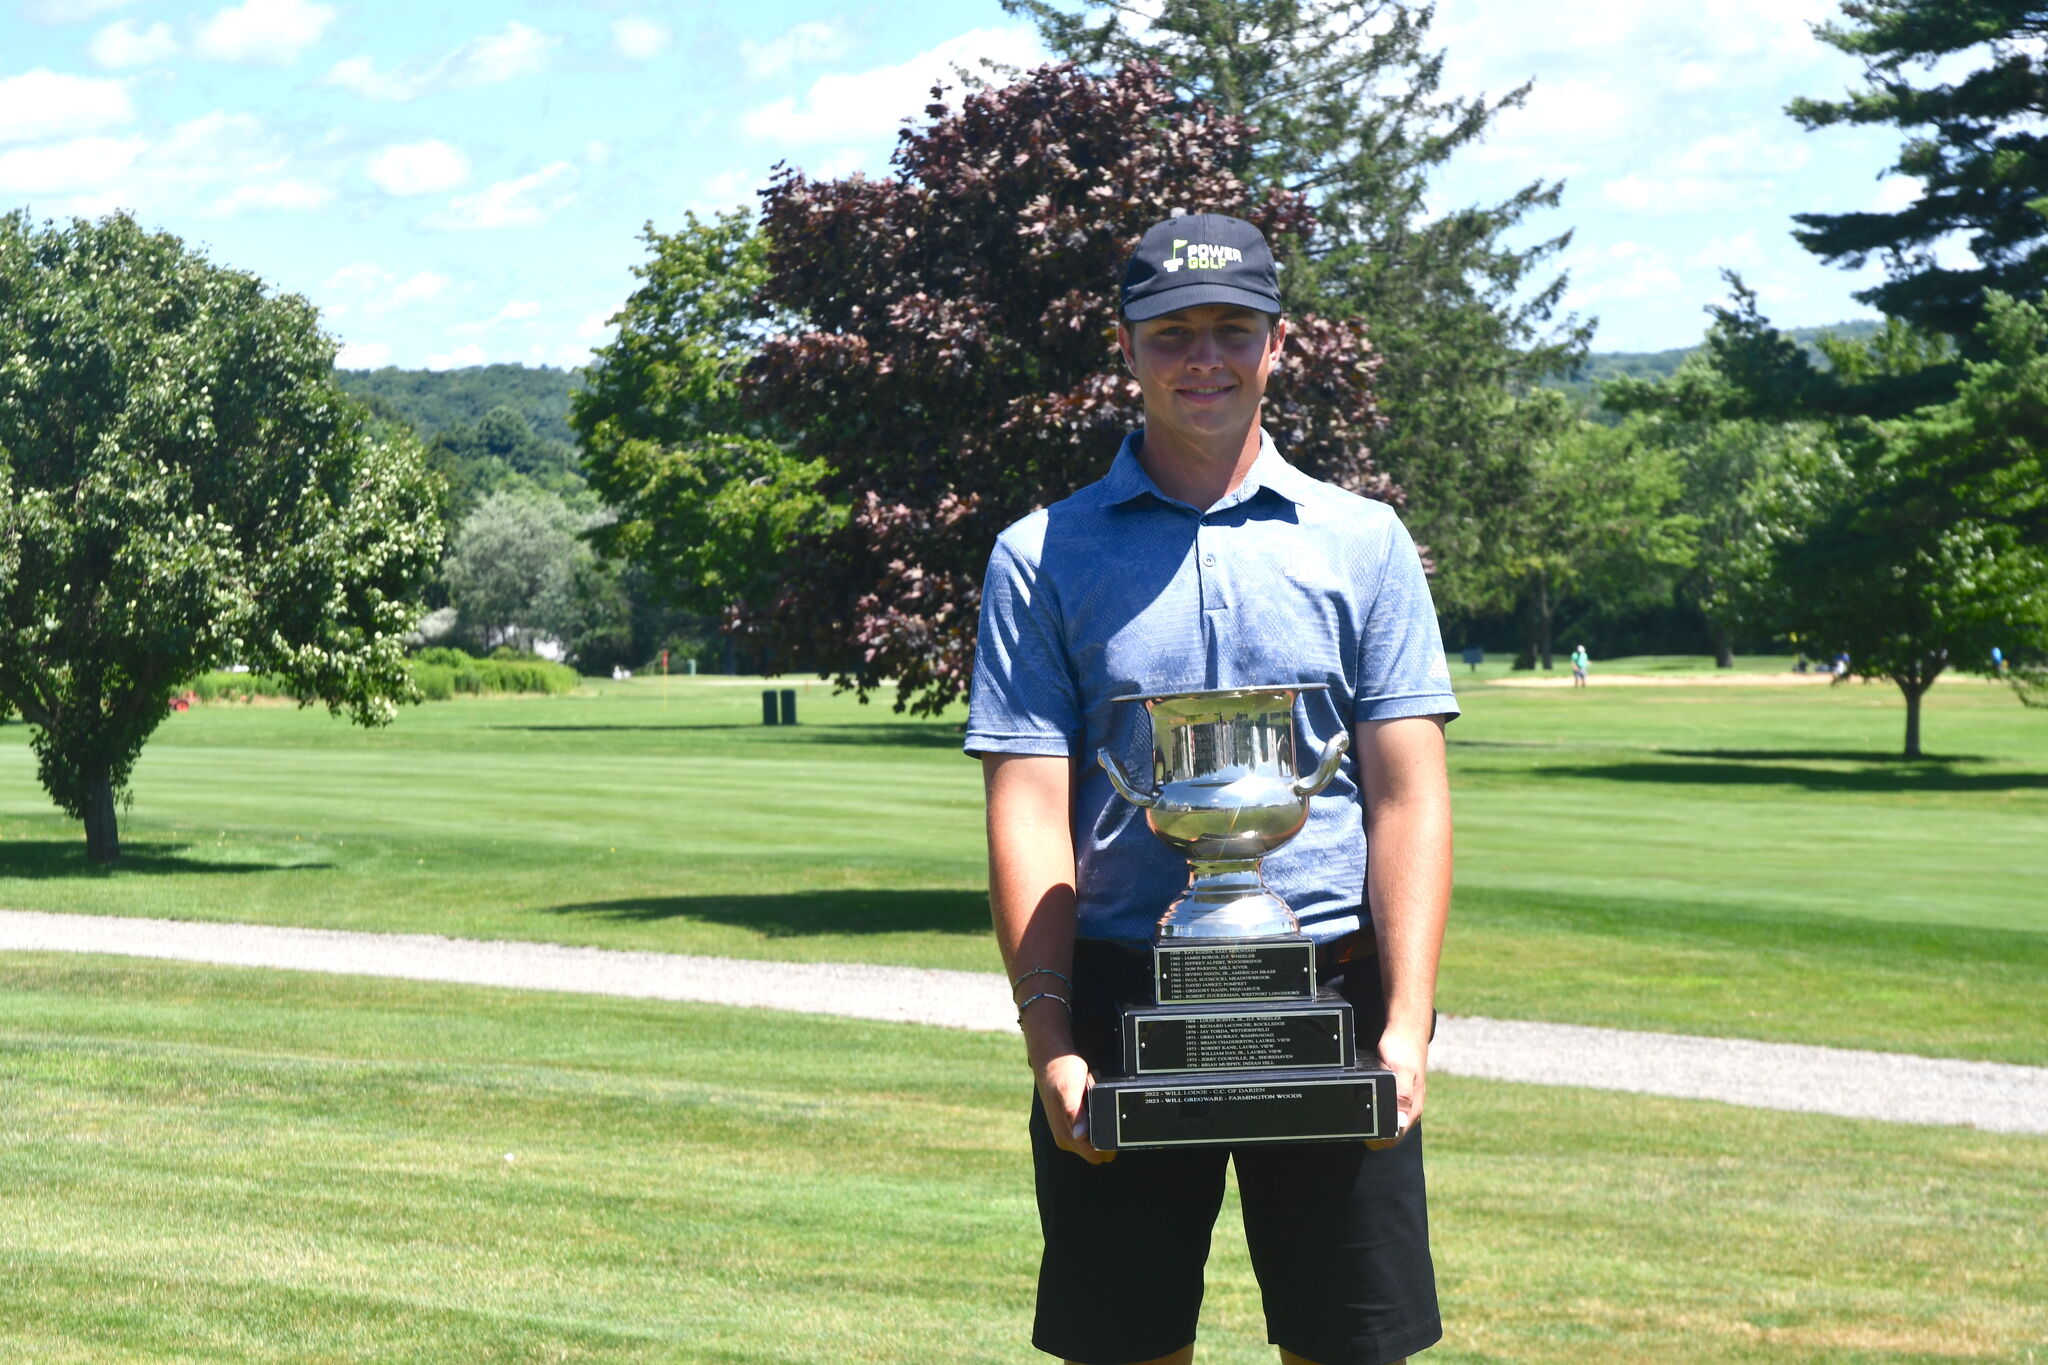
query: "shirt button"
1209, 561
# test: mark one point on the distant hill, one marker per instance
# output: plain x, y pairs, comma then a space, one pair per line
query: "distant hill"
1584, 383
434, 401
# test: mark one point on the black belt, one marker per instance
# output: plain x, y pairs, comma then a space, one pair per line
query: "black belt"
1356, 946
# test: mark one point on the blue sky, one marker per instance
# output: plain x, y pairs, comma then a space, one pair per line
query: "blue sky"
465, 182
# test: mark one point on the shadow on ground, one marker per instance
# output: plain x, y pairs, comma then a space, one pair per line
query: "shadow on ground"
799, 914
910, 736
47, 859
1885, 775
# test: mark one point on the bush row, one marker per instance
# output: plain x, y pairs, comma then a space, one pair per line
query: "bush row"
440, 674
444, 673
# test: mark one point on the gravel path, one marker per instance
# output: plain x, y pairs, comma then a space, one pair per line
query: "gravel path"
1821, 1080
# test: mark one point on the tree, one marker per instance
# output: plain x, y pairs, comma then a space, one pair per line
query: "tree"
1974, 146
704, 494
517, 569
1598, 519
952, 364
183, 486
1347, 109
1918, 543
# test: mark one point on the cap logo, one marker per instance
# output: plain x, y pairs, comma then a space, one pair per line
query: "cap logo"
1200, 256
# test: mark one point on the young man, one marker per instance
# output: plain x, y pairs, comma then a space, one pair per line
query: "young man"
1203, 560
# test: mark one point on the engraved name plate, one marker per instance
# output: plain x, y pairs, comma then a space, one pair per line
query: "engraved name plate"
1152, 1113
1199, 972
1211, 1039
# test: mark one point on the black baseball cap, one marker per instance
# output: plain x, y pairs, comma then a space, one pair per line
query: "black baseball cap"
1200, 258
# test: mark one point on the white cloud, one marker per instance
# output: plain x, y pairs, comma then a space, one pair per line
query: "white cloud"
1896, 192
597, 324
1625, 271
848, 105
728, 188
815, 41
513, 51
523, 202
125, 44
280, 196
369, 288
70, 11
217, 146
42, 104
458, 358
639, 37
1743, 251
362, 355
1755, 150
418, 168
263, 32
515, 311
87, 163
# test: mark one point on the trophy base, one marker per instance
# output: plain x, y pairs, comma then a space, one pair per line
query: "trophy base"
1227, 900
1321, 1105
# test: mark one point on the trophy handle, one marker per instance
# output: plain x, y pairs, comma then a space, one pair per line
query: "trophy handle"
1333, 754
1122, 782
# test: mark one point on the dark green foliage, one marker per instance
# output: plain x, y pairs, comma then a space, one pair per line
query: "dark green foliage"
434, 401
1974, 144
705, 498
444, 673
1347, 102
183, 486
501, 453
952, 363
1585, 382
1919, 542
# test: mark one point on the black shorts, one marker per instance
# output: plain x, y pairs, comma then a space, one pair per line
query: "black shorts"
1338, 1233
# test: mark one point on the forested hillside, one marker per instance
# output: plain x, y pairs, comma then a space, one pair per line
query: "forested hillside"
1584, 383
433, 401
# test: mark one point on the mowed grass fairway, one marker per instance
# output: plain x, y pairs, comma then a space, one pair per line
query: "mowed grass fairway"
1743, 861
217, 1166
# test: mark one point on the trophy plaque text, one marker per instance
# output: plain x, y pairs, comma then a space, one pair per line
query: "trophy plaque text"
1238, 1043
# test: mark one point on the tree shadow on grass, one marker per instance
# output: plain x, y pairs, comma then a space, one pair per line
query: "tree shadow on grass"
1893, 776
50, 859
802, 914
906, 735
1884, 756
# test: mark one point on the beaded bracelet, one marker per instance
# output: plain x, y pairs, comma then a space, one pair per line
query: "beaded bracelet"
1043, 995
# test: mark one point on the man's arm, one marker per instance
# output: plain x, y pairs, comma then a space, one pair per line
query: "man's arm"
1407, 884
1031, 899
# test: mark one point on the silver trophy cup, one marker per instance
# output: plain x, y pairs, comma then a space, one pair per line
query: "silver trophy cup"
1225, 793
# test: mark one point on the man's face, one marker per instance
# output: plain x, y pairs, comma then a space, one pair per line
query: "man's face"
1203, 369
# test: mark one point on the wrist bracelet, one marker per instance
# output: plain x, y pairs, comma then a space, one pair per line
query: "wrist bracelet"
1043, 995
1043, 971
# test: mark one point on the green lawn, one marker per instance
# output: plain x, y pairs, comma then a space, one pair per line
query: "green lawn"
1745, 860
219, 1166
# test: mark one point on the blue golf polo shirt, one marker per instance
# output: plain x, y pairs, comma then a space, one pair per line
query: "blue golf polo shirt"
1121, 589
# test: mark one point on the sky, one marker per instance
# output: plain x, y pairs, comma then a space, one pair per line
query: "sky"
461, 183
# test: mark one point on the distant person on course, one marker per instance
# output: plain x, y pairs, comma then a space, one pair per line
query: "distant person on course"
1581, 661
1202, 559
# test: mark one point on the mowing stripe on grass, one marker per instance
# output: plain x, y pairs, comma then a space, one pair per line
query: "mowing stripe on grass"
1994, 1096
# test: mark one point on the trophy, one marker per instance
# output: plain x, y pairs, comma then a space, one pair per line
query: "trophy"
1238, 1043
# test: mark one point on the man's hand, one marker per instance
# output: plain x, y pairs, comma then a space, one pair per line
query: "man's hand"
1407, 1056
1063, 1083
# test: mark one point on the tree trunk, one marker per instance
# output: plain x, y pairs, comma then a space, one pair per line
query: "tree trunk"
102, 828
1913, 691
1724, 651
1543, 619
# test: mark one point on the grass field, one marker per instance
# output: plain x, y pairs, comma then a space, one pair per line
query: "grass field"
1745, 861
203, 1165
